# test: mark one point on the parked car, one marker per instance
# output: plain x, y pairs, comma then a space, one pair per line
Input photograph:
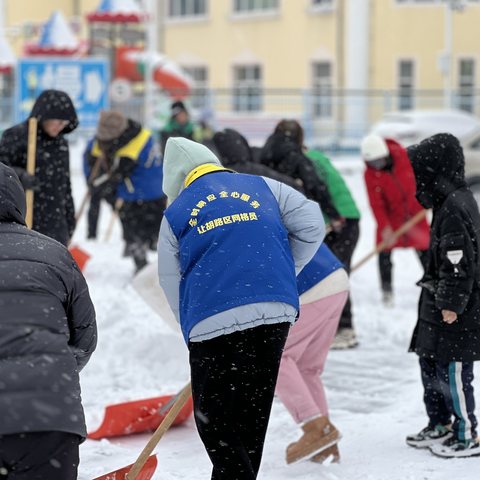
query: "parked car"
412, 126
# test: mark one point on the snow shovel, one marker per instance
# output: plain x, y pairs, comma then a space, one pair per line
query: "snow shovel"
146, 284
397, 233
116, 209
146, 472
80, 256
31, 153
137, 470
138, 416
93, 175
115, 212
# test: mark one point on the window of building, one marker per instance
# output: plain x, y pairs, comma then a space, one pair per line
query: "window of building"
321, 3
199, 91
453, 3
6, 98
247, 89
406, 71
416, 1
245, 6
321, 6
186, 8
466, 84
322, 89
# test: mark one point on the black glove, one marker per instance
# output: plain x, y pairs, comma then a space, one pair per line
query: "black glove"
105, 187
29, 182
106, 190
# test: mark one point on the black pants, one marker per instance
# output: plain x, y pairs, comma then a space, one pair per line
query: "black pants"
233, 384
342, 244
39, 456
93, 213
385, 267
96, 198
141, 224
447, 394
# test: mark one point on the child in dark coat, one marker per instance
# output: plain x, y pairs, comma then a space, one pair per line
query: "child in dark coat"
447, 334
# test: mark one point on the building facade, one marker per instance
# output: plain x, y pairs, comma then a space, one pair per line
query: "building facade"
336, 65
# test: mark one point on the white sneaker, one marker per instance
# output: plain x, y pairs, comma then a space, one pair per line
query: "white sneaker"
454, 448
430, 436
345, 338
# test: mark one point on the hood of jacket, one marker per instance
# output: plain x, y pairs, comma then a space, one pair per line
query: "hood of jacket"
277, 147
181, 157
232, 147
55, 105
12, 197
439, 167
394, 148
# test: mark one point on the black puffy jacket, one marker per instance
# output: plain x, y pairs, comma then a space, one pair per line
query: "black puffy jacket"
47, 324
53, 212
235, 153
452, 277
284, 155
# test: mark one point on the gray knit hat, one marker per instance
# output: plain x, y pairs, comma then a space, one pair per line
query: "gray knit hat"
181, 157
111, 125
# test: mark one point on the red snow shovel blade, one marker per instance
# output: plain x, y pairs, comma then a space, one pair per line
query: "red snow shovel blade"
137, 416
146, 473
80, 256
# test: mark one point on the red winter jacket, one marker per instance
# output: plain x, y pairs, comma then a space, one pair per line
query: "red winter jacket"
392, 198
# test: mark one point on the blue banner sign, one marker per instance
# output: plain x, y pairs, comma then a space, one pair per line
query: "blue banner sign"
86, 80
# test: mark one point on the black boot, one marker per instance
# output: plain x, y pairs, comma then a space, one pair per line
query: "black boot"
138, 251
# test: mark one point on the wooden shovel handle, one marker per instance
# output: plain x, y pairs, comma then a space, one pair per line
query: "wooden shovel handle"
397, 233
92, 176
182, 398
31, 157
116, 209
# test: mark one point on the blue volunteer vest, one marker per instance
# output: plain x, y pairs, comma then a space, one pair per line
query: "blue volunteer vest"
145, 181
233, 247
323, 263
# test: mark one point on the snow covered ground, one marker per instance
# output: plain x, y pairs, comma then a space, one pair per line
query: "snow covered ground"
374, 391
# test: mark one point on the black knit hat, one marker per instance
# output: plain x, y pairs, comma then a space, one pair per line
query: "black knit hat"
178, 107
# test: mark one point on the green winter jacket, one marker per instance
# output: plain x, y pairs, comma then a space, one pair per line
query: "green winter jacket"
341, 196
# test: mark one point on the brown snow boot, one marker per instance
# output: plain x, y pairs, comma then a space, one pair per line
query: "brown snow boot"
323, 456
319, 434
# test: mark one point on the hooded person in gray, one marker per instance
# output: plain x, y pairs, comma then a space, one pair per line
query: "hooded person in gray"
229, 249
47, 335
